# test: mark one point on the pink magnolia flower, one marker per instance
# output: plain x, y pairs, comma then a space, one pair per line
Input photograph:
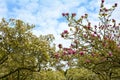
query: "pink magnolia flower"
93, 35
81, 53
65, 32
57, 55
74, 51
70, 51
110, 53
64, 53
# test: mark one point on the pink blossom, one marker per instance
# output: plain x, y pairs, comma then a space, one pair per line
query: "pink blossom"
70, 51
81, 53
74, 51
57, 55
64, 53
110, 53
65, 32
93, 35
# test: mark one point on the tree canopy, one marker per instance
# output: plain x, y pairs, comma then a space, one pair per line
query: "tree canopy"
21, 52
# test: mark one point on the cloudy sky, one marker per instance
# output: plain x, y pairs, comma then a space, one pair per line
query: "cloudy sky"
46, 14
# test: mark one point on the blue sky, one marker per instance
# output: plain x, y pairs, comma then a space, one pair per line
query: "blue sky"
46, 14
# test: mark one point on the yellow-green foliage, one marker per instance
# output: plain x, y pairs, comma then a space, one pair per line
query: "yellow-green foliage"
21, 50
50, 75
80, 74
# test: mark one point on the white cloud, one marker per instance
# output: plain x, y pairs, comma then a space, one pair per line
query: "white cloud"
3, 9
46, 13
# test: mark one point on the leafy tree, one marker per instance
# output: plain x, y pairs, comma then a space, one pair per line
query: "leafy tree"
80, 74
21, 52
49, 75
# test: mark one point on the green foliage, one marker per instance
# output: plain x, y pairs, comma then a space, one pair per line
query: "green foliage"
80, 74
50, 75
21, 52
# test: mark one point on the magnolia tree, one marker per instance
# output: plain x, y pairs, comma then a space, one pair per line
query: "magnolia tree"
96, 48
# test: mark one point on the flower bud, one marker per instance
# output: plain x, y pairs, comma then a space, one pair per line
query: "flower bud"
60, 45
102, 1
63, 14
62, 35
110, 53
113, 20
73, 14
67, 14
86, 15
57, 55
115, 4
